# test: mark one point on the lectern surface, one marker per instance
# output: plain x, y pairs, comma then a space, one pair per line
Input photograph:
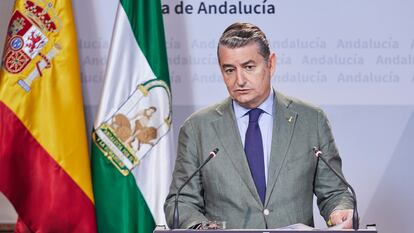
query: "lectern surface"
261, 231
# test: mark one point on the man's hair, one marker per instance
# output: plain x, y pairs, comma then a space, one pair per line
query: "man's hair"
239, 34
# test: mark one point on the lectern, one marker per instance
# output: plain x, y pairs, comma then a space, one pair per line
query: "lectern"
262, 231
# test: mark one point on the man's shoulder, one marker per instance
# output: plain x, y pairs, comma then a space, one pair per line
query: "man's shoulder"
298, 105
210, 113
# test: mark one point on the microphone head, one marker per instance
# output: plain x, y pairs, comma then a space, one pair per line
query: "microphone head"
316, 151
214, 153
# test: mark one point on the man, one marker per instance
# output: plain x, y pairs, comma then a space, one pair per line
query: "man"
265, 174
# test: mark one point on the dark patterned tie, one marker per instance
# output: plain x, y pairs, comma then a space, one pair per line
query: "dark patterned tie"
253, 146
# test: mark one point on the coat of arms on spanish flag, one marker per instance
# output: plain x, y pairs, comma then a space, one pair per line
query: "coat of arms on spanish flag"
44, 163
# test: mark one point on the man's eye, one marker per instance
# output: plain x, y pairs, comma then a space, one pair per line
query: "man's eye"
249, 68
229, 71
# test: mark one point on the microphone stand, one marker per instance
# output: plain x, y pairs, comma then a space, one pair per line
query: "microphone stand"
176, 216
355, 218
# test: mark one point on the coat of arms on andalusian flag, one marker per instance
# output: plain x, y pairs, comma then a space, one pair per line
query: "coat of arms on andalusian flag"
27, 36
137, 126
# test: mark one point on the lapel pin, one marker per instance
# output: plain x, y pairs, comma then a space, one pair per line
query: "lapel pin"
290, 119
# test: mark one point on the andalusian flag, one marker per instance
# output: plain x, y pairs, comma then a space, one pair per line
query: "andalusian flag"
44, 164
132, 138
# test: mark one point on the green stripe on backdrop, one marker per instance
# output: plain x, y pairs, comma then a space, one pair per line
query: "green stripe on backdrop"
146, 22
120, 207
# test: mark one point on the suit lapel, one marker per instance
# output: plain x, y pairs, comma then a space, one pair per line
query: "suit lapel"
228, 133
283, 126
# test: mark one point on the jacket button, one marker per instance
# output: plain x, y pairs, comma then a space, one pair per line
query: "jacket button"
266, 212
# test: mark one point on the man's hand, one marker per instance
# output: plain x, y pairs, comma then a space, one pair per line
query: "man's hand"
343, 218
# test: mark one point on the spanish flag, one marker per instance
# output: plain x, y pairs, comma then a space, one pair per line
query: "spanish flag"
44, 164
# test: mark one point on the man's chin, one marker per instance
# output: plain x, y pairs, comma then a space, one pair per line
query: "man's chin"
244, 103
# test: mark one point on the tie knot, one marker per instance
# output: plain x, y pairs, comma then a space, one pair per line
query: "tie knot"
254, 114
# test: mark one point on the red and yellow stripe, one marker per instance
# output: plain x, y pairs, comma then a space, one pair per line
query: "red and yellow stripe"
44, 195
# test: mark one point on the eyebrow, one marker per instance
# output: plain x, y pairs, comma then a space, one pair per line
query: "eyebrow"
243, 64
248, 62
227, 66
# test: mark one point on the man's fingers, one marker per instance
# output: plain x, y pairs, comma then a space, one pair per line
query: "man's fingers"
336, 218
343, 217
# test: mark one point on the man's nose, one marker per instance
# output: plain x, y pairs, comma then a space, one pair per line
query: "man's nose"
240, 78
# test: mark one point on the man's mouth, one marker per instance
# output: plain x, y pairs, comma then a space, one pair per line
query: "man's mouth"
242, 90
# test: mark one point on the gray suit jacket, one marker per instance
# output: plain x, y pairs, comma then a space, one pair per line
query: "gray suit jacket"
225, 190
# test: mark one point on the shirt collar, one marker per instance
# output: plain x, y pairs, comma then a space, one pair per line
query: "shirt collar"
266, 106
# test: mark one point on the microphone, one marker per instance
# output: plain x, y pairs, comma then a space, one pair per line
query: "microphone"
355, 218
176, 215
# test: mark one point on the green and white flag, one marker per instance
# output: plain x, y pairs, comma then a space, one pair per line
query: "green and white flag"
132, 144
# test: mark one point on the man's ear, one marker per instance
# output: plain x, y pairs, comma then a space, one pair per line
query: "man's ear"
272, 63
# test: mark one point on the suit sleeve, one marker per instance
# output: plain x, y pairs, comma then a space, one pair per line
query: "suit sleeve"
191, 202
331, 193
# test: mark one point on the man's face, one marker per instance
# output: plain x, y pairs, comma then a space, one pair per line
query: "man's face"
246, 74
